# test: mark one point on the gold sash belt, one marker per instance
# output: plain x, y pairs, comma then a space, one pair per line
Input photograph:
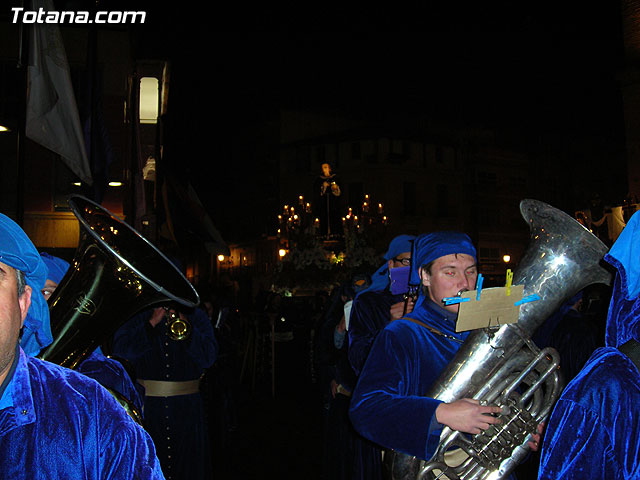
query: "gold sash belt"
158, 388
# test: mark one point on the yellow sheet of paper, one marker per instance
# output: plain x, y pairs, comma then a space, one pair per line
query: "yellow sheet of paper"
495, 308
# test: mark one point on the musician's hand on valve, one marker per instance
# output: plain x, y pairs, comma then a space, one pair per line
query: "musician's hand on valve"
467, 415
158, 315
534, 443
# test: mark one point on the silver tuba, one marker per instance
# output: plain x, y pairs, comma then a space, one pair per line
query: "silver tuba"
502, 366
115, 273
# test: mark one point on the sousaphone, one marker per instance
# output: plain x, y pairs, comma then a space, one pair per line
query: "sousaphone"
115, 274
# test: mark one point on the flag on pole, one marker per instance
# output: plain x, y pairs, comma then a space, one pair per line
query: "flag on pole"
52, 118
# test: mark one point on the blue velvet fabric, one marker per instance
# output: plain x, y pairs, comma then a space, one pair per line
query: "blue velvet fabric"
389, 405
176, 424
58, 424
369, 315
111, 374
594, 430
56, 267
17, 251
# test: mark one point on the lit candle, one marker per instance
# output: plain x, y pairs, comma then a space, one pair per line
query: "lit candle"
308, 207
384, 220
380, 209
365, 207
301, 200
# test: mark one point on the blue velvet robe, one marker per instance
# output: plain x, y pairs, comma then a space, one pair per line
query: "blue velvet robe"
369, 315
594, 430
389, 405
59, 424
176, 424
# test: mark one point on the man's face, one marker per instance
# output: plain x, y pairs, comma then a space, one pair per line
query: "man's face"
48, 289
401, 260
13, 310
326, 169
449, 275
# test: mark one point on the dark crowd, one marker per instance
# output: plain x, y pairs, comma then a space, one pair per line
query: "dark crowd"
305, 386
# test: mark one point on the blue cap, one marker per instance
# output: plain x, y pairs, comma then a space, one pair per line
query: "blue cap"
56, 267
431, 246
17, 251
380, 279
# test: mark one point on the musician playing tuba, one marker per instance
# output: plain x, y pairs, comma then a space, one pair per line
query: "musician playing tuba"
389, 405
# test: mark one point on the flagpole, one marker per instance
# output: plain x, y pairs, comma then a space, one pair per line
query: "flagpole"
22, 66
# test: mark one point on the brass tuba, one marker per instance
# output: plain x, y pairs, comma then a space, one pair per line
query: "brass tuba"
115, 273
502, 366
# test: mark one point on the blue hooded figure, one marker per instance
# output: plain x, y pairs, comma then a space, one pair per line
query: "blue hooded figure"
593, 431
55, 422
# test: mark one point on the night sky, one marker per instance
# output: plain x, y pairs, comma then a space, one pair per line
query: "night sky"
536, 67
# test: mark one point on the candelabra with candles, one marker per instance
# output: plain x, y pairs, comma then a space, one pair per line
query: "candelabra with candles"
309, 257
295, 222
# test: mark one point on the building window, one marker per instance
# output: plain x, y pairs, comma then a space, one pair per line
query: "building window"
442, 200
149, 95
356, 152
371, 151
409, 197
487, 178
489, 254
488, 217
356, 194
302, 161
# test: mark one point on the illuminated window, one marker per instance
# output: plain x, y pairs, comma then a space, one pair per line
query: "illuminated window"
149, 92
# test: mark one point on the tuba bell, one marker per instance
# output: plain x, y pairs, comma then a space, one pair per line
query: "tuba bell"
502, 366
115, 273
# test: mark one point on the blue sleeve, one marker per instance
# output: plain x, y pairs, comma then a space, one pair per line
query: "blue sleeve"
366, 320
387, 407
131, 341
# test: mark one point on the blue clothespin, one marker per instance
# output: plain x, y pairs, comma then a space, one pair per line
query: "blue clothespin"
527, 299
453, 300
479, 286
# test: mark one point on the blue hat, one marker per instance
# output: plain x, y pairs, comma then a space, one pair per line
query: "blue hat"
380, 279
17, 251
431, 246
56, 267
